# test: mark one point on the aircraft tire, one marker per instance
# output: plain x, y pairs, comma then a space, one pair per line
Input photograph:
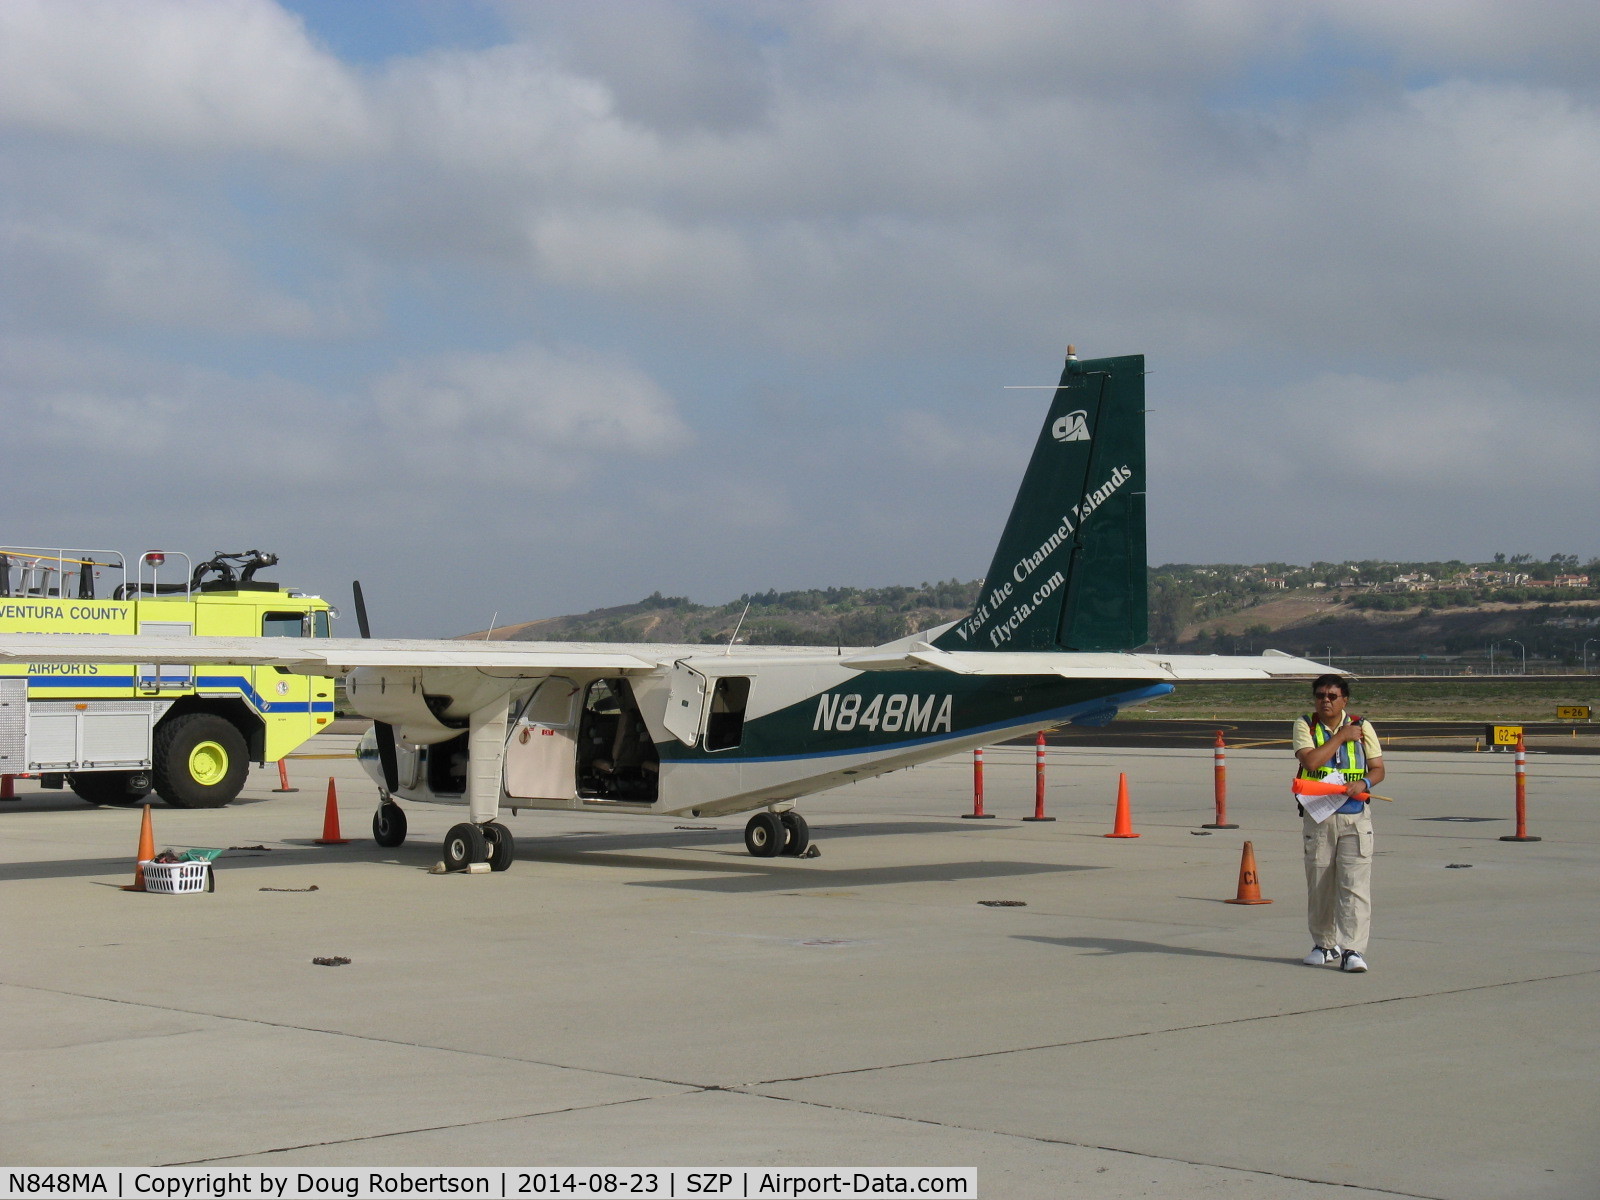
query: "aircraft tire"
200, 761
389, 825
765, 835
110, 787
798, 834
502, 846
463, 846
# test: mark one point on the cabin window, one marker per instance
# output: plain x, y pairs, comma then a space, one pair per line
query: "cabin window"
725, 722
320, 625
283, 624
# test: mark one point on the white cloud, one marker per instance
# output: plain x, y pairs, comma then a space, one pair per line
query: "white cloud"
74, 274
528, 416
405, 280
207, 74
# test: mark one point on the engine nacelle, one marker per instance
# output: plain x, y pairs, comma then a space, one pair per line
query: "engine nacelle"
425, 705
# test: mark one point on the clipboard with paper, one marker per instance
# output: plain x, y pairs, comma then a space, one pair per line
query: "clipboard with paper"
1321, 798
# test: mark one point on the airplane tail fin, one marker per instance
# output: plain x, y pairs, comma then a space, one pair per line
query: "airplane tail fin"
1070, 570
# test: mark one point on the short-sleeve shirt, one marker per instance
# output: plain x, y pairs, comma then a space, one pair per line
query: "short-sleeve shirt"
1371, 748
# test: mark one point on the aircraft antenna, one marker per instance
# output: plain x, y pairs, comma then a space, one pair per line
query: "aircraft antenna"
733, 637
492, 621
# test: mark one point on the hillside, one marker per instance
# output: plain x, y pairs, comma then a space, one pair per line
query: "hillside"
1346, 610
814, 617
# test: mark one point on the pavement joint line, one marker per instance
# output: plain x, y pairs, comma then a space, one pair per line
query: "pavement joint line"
360, 1037
1122, 1037
394, 1133
1059, 1141
746, 1091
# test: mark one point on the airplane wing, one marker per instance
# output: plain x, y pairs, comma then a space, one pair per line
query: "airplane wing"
325, 656
1161, 667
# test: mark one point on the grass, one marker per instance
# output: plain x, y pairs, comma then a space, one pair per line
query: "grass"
1501, 699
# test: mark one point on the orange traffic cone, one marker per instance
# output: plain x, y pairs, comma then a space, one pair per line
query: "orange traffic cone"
1123, 826
330, 820
1249, 881
147, 851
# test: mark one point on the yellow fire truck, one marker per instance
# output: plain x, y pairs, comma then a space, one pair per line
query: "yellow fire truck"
113, 733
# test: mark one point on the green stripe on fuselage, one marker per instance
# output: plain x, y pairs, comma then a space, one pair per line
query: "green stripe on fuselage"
883, 709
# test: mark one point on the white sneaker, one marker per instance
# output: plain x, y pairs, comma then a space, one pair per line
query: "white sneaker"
1353, 961
1322, 956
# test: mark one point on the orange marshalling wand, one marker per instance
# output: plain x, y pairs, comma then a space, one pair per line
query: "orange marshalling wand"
1315, 787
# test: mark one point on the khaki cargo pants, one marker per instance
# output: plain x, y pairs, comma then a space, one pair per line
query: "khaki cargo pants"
1339, 879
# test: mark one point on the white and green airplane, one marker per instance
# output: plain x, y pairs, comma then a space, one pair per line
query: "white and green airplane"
708, 731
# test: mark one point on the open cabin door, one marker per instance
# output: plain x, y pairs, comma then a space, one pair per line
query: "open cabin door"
686, 704
542, 745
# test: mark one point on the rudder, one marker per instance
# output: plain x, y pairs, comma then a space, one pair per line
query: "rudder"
1070, 569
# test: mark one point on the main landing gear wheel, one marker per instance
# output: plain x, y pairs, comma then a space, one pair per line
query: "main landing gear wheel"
389, 825
463, 846
110, 787
765, 835
502, 846
798, 834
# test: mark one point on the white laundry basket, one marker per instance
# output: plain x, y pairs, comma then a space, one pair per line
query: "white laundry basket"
176, 877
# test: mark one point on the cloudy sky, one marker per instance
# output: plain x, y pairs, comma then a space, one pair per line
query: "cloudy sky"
531, 308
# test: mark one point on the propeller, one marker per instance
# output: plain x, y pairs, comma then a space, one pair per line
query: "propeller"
381, 730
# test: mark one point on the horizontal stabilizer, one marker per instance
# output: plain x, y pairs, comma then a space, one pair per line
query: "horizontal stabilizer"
923, 657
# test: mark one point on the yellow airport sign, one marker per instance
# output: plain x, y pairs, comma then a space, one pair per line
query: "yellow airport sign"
1503, 735
1572, 712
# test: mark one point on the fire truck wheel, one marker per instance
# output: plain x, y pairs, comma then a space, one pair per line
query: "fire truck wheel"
110, 787
502, 846
199, 761
463, 846
389, 825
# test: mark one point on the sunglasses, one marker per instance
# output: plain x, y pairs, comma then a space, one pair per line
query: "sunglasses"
1328, 695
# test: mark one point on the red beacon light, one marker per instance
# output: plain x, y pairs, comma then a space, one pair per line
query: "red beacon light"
155, 558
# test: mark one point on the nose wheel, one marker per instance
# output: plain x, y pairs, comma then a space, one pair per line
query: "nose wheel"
389, 825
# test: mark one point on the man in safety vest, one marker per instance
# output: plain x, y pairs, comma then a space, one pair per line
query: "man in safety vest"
1338, 849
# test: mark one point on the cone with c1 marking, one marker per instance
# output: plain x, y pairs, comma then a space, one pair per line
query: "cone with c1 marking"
1249, 881
1122, 827
330, 820
146, 851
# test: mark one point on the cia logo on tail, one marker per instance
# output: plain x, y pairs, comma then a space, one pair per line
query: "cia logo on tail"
1074, 427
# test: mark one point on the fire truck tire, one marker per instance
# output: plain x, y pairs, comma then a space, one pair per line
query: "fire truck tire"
199, 761
110, 787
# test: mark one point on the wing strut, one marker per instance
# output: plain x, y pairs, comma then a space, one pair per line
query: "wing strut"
486, 751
